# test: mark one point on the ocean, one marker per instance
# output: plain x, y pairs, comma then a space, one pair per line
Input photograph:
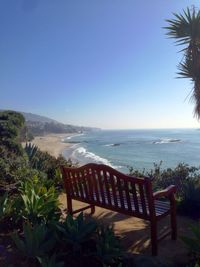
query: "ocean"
122, 149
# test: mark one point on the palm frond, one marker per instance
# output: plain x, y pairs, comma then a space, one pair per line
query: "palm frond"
184, 27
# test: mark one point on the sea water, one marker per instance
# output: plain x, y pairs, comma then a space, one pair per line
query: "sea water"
139, 149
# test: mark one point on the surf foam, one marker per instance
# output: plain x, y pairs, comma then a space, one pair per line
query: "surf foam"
167, 141
91, 157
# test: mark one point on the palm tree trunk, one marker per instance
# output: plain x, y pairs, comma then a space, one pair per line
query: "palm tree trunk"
197, 98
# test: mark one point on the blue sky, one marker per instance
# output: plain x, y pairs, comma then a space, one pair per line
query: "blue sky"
103, 63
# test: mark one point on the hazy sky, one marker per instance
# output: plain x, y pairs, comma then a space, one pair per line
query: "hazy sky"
104, 63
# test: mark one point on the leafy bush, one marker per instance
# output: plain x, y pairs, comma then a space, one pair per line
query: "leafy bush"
37, 241
74, 232
74, 242
85, 243
36, 203
46, 164
108, 247
189, 202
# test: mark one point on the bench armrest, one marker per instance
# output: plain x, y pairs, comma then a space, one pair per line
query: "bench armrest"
166, 192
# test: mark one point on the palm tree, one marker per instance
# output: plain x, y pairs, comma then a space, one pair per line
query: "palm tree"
186, 29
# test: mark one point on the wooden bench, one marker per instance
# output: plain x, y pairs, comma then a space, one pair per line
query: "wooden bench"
101, 185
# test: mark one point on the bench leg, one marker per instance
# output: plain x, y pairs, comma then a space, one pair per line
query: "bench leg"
154, 240
69, 205
173, 221
92, 209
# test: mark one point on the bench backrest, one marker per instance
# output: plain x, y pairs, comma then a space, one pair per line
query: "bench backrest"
106, 187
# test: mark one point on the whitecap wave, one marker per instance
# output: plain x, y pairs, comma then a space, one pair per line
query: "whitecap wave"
116, 144
109, 145
71, 136
167, 141
91, 157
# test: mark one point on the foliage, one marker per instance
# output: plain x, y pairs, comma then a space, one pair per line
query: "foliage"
11, 152
36, 203
45, 163
75, 232
189, 203
185, 28
108, 247
10, 124
31, 151
74, 242
36, 241
4, 206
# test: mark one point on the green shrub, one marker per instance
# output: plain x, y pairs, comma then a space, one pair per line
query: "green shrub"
189, 202
36, 241
75, 242
85, 243
74, 232
46, 164
31, 151
36, 203
108, 247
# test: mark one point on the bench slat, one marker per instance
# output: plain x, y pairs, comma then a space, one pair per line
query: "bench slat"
101, 186
113, 187
96, 186
120, 193
127, 194
134, 195
90, 185
74, 184
81, 186
142, 199
107, 187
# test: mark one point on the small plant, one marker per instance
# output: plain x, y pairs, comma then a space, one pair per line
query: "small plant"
37, 203
75, 232
31, 151
36, 241
108, 247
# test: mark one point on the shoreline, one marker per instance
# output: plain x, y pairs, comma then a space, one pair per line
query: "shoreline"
52, 143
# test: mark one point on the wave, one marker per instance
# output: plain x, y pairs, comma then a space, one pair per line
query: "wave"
91, 157
167, 141
116, 144
71, 136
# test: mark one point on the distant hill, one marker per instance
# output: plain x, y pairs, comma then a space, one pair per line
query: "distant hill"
35, 117
41, 125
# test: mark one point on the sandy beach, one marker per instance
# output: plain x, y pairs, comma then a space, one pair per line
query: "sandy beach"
52, 143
